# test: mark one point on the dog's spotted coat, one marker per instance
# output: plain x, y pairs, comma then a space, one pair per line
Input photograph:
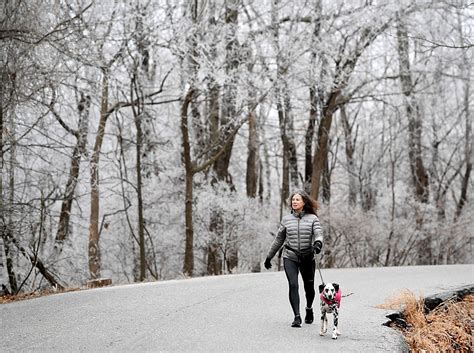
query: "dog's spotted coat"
330, 296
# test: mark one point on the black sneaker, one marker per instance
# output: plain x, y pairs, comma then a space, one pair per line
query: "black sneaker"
308, 319
296, 322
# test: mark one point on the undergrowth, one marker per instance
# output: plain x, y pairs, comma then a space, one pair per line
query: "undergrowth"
9, 298
447, 328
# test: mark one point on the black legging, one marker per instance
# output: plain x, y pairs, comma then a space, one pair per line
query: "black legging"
307, 269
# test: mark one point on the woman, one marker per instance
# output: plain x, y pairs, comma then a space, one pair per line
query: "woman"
302, 235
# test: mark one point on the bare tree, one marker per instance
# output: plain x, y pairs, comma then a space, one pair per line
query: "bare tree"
79, 150
465, 69
283, 105
252, 171
228, 107
331, 79
316, 92
345, 62
350, 148
26, 78
191, 169
418, 171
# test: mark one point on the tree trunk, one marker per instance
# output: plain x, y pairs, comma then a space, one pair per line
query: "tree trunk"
198, 125
214, 91
252, 158
268, 167
283, 105
320, 155
253, 163
5, 223
345, 65
138, 114
418, 171
7, 236
36, 262
285, 184
144, 149
214, 261
261, 187
466, 74
326, 179
289, 138
465, 178
94, 249
79, 150
228, 113
350, 146
315, 98
308, 145
11, 199
392, 154
188, 266
192, 168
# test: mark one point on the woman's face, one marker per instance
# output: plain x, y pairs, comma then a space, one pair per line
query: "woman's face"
297, 203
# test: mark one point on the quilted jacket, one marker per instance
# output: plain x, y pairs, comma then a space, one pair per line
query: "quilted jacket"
299, 232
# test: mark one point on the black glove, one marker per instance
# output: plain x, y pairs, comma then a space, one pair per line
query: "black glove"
317, 246
268, 264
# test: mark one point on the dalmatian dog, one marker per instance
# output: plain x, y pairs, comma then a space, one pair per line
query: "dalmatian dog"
330, 296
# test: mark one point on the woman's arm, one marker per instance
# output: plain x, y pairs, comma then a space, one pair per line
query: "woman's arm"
277, 242
318, 235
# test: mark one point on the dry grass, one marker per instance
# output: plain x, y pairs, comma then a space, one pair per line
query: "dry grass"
448, 328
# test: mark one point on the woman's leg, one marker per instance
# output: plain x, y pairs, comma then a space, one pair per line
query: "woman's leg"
307, 269
291, 270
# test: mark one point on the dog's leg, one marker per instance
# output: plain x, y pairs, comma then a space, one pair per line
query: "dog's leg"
337, 323
335, 331
324, 321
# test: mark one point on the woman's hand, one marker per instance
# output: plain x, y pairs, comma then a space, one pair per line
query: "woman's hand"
317, 246
268, 264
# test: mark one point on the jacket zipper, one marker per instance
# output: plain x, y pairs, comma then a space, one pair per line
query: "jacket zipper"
299, 242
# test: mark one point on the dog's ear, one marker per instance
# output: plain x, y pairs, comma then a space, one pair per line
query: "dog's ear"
336, 287
321, 288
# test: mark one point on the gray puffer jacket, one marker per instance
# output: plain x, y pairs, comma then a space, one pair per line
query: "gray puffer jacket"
299, 232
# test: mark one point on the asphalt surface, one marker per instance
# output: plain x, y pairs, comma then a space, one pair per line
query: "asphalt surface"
248, 312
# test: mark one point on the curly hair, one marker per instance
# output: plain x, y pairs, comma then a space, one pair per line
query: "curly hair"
310, 205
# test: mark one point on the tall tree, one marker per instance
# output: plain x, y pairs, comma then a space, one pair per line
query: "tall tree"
283, 105
80, 134
316, 91
193, 167
465, 70
350, 148
252, 171
418, 172
228, 105
345, 62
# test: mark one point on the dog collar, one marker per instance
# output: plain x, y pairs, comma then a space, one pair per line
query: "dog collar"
336, 300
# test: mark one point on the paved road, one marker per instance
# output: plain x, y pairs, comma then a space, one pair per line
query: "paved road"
248, 312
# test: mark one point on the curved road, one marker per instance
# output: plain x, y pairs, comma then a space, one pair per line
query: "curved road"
248, 312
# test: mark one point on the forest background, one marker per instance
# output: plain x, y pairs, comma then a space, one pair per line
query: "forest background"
150, 140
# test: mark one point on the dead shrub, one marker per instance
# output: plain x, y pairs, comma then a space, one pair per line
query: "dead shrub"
448, 328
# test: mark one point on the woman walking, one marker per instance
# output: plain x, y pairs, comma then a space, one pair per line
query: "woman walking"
301, 234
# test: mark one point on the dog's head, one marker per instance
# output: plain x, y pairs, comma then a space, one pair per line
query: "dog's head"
329, 290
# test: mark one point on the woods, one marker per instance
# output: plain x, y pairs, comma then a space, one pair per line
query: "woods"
158, 140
